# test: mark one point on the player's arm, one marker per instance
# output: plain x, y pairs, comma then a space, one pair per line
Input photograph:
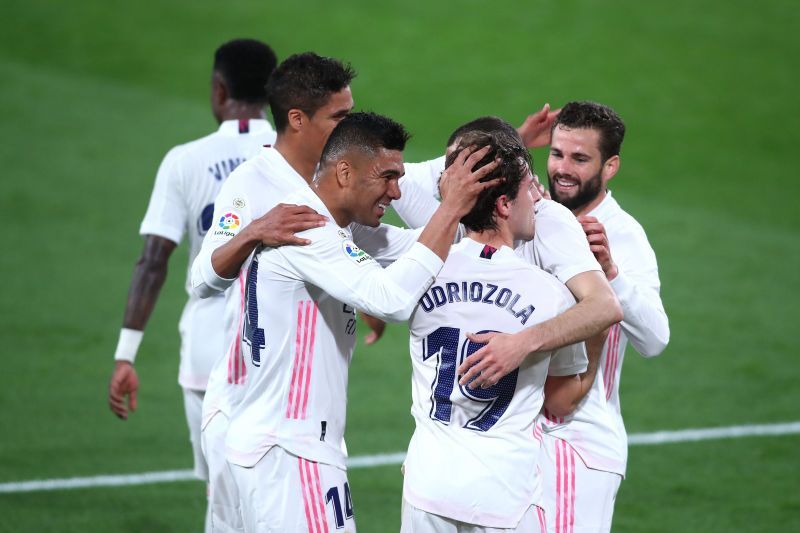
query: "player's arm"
563, 394
634, 279
391, 294
218, 264
149, 275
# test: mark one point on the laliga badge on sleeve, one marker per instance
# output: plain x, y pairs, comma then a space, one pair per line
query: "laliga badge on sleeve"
356, 254
228, 224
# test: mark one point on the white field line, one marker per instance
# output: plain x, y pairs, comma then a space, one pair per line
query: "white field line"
369, 461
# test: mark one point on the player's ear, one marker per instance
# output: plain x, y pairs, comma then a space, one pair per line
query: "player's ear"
219, 90
502, 206
296, 119
610, 168
344, 172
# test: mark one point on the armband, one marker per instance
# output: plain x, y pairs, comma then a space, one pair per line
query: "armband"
128, 345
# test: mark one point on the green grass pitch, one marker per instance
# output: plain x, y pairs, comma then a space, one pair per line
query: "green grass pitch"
92, 94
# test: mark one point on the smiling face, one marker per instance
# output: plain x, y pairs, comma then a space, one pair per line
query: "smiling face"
576, 174
374, 185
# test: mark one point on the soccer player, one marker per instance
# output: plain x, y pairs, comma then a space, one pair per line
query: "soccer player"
308, 95
285, 439
559, 248
471, 463
589, 448
182, 203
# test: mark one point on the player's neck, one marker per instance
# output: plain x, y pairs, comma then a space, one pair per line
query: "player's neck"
235, 110
294, 154
331, 196
585, 209
494, 238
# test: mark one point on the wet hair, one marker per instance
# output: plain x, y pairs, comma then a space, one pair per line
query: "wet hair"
591, 115
367, 132
486, 124
245, 65
515, 163
305, 81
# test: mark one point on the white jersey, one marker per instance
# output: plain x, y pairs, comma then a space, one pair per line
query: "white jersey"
596, 430
559, 246
252, 190
257, 186
299, 334
473, 454
182, 202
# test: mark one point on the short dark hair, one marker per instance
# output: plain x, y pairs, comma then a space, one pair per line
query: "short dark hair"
245, 65
486, 124
366, 131
305, 81
591, 115
515, 163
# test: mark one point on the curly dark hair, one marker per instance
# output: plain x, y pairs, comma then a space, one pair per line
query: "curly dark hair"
305, 81
515, 163
591, 115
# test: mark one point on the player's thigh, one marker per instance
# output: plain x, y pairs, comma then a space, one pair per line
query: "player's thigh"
223, 496
193, 406
575, 498
286, 493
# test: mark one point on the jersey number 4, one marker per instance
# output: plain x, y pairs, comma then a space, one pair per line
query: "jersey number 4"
251, 333
444, 344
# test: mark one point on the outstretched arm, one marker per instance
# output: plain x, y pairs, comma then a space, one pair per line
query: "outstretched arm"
148, 278
596, 310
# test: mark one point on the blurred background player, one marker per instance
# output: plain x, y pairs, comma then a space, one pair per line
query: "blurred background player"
472, 461
586, 454
182, 203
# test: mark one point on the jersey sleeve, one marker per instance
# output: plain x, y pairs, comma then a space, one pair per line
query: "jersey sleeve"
571, 359
350, 275
419, 188
232, 213
559, 246
637, 287
167, 213
568, 360
386, 243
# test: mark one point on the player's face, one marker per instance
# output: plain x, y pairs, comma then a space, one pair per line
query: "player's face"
574, 167
521, 218
321, 123
375, 185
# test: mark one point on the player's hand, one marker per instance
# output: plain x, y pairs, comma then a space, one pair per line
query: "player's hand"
598, 243
280, 224
501, 355
536, 129
461, 183
376, 326
124, 382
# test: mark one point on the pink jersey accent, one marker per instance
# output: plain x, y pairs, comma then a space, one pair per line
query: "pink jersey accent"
306, 495
565, 488
310, 359
612, 360
320, 498
236, 366
542, 522
304, 357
